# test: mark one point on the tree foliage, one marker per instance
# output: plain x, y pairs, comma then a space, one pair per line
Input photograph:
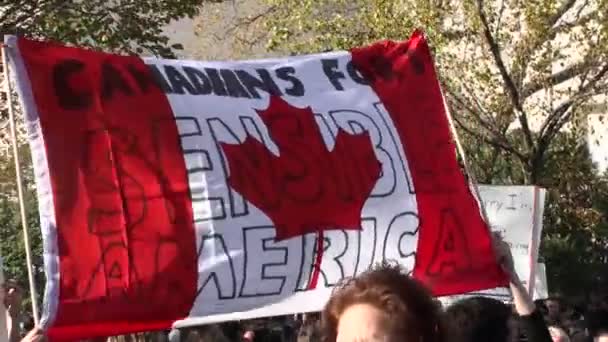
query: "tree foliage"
12, 247
520, 77
117, 25
576, 217
230, 31
534, 64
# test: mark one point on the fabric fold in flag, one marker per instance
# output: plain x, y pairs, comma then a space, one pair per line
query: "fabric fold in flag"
184, 192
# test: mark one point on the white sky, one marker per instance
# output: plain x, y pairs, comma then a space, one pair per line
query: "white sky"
182, 31
598, 139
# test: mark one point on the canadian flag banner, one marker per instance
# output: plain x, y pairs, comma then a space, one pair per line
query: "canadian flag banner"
174, 193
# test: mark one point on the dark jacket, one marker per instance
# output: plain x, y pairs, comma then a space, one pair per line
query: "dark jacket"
534, 328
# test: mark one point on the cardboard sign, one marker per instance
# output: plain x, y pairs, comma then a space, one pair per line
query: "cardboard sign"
516, 212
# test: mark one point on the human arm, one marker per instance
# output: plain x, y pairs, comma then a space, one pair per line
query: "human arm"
12, 302
531, 320
35, 335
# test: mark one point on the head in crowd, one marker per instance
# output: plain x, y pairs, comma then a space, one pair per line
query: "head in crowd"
311, 317
382, 304
248, 336
438, 304
571, 321
558, 334
598, 300
28, 322
478, 319
541, 307
231, 330
597, 325
211, 332
174, 335
554, 309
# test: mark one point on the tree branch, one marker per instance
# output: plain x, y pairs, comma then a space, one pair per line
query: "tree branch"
495, 50
571, 72
489, 141
565, 113
560, 12
531, 44
246, 22
252, 19
500, 14
498, 140
473, 97
507, 79
472, 111
457, 34
555, 121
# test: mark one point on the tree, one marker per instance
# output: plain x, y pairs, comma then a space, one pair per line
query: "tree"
12, 248
223, 31
520, 78
576, 220
118, 26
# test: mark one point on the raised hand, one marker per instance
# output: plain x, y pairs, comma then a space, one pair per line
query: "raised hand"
12, 298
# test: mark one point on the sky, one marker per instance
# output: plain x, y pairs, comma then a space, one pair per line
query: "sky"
598, 139
181, 31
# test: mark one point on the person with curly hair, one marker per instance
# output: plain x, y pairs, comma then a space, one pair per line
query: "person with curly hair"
382, 304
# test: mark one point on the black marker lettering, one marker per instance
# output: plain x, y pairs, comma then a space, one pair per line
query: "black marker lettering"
330, 68
199, 80
234, 86
143, 78
112, 81
269, 263
265, 82
355, 74
160, 79
67, 97
286, 74
178, 81
219, 88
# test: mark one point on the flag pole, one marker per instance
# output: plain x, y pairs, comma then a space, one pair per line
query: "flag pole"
26, 235
465, 163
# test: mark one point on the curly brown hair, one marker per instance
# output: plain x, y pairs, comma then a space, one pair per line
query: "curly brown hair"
410, 311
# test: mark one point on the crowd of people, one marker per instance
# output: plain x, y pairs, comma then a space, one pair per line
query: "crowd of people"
385, 304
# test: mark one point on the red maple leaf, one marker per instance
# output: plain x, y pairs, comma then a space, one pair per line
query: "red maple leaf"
306, 188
